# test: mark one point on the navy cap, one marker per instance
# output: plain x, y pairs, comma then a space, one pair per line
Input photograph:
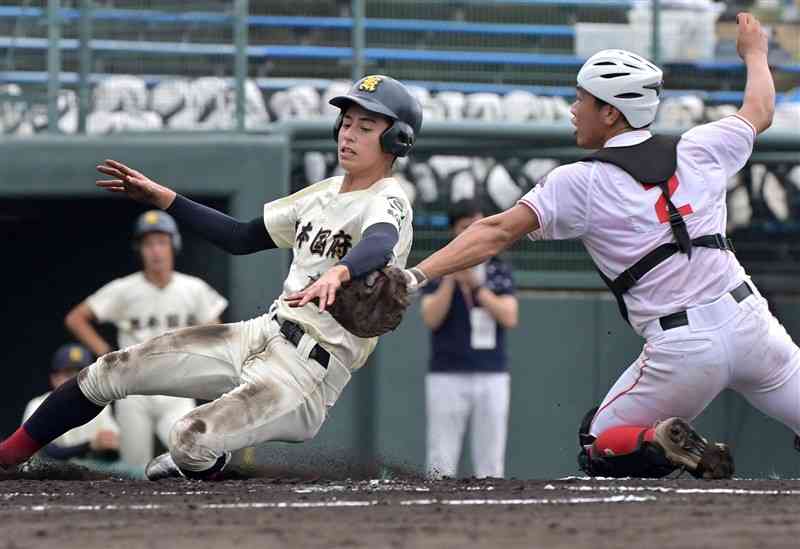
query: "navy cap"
71, 355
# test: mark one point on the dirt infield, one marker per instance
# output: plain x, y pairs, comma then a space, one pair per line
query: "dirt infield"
71, 510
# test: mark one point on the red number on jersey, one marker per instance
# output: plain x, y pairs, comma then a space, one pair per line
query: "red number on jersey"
661, 206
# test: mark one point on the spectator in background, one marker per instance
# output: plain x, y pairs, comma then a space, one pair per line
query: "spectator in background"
468, 313
95, 444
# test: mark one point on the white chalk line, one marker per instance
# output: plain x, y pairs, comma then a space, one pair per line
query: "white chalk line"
12, 495
667, 490
336, 503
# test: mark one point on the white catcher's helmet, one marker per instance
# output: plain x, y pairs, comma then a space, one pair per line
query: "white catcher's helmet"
625, 80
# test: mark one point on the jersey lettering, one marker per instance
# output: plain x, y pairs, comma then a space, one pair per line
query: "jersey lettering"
320, 241
342, 242
662, 211
303, 236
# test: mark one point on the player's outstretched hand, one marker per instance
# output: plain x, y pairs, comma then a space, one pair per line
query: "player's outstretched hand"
134, 184
324, 289
751, 38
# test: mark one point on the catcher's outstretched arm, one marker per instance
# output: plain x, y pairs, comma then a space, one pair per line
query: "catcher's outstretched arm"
483, 239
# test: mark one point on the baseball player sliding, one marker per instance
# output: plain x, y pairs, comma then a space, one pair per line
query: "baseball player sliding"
144, 305
651, 212
272, 377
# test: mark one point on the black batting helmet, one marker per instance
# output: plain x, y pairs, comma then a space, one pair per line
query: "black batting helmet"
156, 221
385, 95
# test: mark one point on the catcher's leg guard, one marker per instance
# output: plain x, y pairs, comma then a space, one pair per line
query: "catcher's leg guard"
645, 461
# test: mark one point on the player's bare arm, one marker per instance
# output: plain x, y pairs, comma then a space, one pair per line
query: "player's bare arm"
758, 106
79, 322
483, 239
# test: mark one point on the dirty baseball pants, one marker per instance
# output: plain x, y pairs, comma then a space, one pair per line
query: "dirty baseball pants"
725, 345
261, 386
140, 417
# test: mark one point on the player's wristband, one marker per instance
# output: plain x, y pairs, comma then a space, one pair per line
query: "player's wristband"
420, 278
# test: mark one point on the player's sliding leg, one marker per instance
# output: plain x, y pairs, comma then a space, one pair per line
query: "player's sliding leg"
284, 396
199, 362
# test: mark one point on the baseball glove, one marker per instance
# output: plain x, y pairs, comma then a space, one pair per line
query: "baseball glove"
372, 305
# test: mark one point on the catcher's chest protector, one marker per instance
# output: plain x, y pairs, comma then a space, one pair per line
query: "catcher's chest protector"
653, 162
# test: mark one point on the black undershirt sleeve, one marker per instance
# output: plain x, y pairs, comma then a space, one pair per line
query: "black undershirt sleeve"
373, 251
230, 234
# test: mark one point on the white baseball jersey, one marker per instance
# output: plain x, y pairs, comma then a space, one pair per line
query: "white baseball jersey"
141, 310
620, 220
321, 225
79, 435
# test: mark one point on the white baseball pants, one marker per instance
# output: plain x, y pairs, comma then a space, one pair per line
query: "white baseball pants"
140, 417
455, 399
262, 387
726, 344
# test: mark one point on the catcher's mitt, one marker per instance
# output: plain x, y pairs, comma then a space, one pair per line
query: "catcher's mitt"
372, 305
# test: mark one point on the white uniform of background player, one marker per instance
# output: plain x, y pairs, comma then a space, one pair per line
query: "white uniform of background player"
273, 377
141, 308
706, 326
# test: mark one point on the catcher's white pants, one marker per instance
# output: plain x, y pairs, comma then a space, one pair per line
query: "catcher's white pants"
455, 399
140, 417
740, 346
261, 386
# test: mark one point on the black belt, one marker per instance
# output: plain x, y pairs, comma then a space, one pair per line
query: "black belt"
294, 333
676, 320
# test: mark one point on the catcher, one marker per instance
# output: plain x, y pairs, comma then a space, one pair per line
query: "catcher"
273, 377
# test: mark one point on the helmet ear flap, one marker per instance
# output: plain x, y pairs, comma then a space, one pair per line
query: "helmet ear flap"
337, 126
398, 139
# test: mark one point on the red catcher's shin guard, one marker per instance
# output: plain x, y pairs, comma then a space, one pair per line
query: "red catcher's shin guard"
619, 441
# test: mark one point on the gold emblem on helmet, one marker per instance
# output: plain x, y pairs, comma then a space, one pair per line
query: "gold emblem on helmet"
370, 83
75, 354
151, 218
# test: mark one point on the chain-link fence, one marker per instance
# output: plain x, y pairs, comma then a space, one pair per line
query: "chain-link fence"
107, 66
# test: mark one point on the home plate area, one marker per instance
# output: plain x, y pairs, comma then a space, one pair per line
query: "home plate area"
74, 508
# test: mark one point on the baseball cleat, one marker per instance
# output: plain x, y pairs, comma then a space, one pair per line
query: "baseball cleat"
684, 448
161, 467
